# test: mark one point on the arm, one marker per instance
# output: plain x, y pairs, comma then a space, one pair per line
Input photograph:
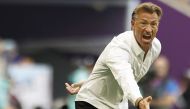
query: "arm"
74, 88
118, 62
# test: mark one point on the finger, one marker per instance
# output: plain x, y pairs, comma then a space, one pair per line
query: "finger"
69, 88
74, 91
149, 99
67, 85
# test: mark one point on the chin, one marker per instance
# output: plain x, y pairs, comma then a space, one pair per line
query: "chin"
147, 45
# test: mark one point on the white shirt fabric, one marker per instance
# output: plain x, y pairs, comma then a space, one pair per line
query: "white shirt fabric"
117, 71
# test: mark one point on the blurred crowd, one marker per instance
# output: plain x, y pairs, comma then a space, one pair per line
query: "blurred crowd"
24, 84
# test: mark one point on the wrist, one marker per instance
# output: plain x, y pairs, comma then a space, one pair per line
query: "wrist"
138, 101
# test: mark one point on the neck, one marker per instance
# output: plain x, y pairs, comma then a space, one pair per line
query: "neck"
145, 52
146, 48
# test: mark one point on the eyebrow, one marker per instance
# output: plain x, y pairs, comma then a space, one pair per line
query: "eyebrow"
151, 21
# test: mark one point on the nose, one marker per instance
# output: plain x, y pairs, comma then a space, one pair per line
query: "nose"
148, 28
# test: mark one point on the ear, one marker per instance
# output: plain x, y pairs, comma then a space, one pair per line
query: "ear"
132, 24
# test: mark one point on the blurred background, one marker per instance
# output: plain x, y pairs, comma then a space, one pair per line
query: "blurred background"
45, 43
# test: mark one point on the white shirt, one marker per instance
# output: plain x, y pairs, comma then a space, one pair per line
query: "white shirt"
117, 71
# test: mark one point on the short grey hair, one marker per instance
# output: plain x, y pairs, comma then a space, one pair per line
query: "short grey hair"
147, 7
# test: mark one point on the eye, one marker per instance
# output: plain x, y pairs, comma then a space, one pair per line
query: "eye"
143, 23
154, 24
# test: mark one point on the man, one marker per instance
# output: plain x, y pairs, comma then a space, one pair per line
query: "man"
124, 61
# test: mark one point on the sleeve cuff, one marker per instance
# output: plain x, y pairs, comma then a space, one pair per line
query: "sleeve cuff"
133, 99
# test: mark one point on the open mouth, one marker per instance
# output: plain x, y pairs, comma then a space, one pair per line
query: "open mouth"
147, 37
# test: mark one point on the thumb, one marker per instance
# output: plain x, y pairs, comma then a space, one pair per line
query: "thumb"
149, 99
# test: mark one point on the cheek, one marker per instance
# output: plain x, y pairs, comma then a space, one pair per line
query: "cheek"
139, 30
138, 33
155, 31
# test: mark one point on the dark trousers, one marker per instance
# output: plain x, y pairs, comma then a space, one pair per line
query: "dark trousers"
83, 105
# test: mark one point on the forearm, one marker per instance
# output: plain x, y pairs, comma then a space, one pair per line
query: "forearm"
124, 74
129, 87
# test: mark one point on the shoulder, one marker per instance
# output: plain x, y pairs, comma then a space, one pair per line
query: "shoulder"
115, 52
124, 40
156, 44
121, 42
156, 47
124, 35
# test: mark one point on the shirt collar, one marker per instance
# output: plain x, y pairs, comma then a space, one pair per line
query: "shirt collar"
135, 46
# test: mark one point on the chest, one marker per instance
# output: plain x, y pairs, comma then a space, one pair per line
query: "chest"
140, 67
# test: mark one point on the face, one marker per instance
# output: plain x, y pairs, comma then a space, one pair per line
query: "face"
145, 27
161, 67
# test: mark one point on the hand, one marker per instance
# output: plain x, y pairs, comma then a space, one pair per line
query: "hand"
145, 103
73, 88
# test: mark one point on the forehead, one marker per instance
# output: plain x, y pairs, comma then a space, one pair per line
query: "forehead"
143, 15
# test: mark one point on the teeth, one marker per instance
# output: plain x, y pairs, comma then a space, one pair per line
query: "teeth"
147, 34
